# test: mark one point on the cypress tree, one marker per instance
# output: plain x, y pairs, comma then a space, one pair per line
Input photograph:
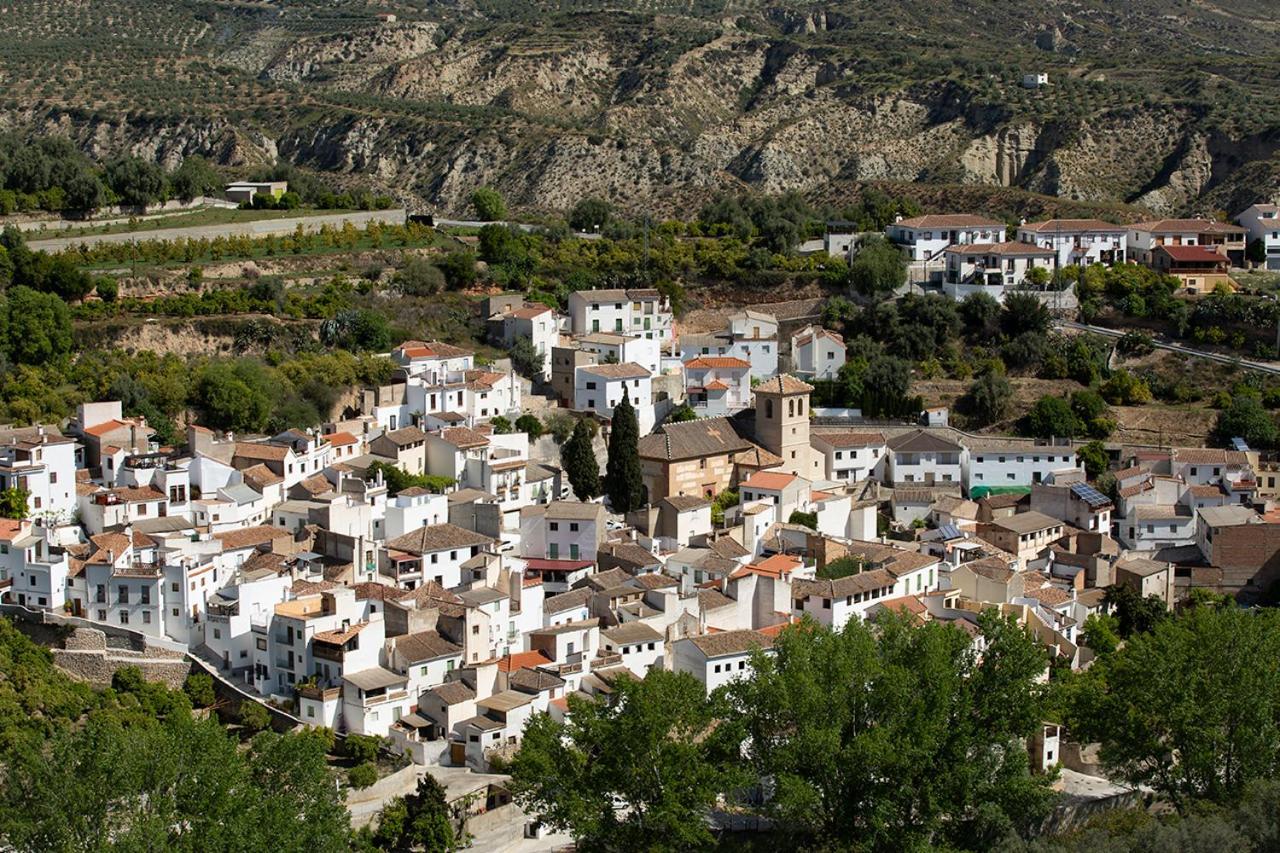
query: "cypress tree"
623, 481
579, 463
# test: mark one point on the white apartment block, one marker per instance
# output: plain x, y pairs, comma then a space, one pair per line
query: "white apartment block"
994, 464
851, 456
43, 464
717, 386
924, 237
612, 347
1077, 241
991, 268
644, 312
600, 387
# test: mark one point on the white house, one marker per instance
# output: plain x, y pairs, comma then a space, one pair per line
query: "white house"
851, 456
642, 312
1144, 237
536, 324
563, 530
1263, 223
996, 463
924, 458
924, 237
600, 387
639, 645
717, 659
832, 603
43, 464
817, 353
434, 553
616, 348
717, 386
754, 339
992, 268
1077, 241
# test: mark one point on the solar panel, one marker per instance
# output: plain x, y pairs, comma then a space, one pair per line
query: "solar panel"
1090, 495
949, 531
1240, 444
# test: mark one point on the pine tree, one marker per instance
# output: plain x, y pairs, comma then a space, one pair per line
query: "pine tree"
579, 462
623, 482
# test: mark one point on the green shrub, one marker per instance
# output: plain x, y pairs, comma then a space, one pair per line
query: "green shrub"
199, 689
362, 748
362, 775
254, 716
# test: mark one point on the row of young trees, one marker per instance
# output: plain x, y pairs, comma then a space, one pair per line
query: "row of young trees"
897, 736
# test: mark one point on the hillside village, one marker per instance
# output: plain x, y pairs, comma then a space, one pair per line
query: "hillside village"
426, 571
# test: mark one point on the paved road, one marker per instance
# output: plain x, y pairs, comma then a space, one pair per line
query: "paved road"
1174, 346
255, 228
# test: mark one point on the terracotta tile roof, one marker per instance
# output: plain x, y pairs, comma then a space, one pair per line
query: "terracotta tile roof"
142, 540
691, 440
756, 456
431, 349
950, 220
453, 692
770, 480
1187, 226
1193, 254
138, 494
567, 600
530, 312
99, 430
776, 566
723, 643
712, 599
909, 604
108, 547
522, 660
727, 548
843, 587
249, 537
301, 588
1069, 226
851, 439
579, 510
260, 476
11, 529
920, 441
254, 450
626, 370
341, 439
783, 383
340, 636
438, 537
405, 436
716, 385
685, 503
425, 645
705, 361
654, 580
1209, 456
463, 437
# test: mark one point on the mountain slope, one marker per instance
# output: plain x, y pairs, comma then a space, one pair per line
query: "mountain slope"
1167, 104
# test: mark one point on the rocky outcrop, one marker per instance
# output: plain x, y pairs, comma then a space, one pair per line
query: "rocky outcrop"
644, 108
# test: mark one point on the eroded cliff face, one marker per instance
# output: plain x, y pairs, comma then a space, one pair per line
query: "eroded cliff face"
431, 112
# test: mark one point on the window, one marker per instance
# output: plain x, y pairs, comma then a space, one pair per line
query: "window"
475, 629
573, 527
124, 594
555, 525
102, 616
826, 604
146, 617
124, 617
